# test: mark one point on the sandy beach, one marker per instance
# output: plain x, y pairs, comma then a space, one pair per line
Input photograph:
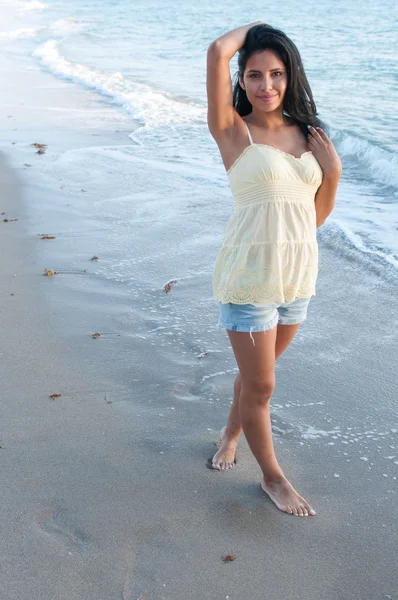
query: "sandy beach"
106, 494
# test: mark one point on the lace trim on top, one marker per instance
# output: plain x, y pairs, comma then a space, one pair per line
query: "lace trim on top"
253, 145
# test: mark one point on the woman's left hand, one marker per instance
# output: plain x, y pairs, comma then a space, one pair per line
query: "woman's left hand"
324, 151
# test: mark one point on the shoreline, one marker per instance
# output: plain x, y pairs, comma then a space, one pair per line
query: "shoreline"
107, 491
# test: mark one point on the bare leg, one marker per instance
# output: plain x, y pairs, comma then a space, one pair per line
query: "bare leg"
257, 367
229, 435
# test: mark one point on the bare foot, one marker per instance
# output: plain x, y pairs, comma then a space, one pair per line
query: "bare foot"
283, 494
225, 458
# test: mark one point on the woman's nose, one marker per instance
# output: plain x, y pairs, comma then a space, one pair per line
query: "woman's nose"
266, 84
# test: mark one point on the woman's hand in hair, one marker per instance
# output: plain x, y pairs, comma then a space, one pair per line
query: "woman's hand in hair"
324, 151
229, 43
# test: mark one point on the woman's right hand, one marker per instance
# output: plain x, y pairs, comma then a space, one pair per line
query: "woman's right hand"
229, 43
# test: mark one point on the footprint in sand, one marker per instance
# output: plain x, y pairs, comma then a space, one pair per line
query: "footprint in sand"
61, 525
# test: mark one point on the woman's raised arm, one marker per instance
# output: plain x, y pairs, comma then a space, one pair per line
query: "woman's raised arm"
220, 109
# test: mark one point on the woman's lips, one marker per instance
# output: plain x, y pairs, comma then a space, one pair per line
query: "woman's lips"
267, 98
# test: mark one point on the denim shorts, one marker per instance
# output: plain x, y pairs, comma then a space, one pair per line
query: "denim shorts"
262, 317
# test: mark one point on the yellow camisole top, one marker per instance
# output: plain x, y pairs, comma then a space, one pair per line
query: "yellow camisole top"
270, 251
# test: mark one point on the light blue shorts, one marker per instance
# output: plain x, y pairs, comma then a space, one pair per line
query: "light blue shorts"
261, 317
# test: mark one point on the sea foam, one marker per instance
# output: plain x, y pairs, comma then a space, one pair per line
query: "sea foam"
150, 106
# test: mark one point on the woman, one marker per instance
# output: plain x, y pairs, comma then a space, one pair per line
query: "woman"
283, 171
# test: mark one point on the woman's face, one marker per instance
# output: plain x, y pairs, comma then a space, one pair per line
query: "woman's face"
265, 81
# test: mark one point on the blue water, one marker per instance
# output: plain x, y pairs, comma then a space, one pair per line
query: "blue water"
147, 59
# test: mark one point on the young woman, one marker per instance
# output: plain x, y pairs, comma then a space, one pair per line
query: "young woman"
283, 171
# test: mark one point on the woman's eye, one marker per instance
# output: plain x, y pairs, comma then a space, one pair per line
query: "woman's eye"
256, 74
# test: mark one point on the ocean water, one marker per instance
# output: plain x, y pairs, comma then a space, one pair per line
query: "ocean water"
147, 59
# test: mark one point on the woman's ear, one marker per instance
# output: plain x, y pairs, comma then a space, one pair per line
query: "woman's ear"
242, 85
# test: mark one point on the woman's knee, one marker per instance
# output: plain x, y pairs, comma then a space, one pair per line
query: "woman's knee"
258, 391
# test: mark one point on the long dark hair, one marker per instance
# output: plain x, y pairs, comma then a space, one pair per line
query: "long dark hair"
298, 102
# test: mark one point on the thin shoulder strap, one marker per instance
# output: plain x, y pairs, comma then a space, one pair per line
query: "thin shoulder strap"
248, 133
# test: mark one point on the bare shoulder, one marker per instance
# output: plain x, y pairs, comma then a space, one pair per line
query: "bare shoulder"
232, 142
